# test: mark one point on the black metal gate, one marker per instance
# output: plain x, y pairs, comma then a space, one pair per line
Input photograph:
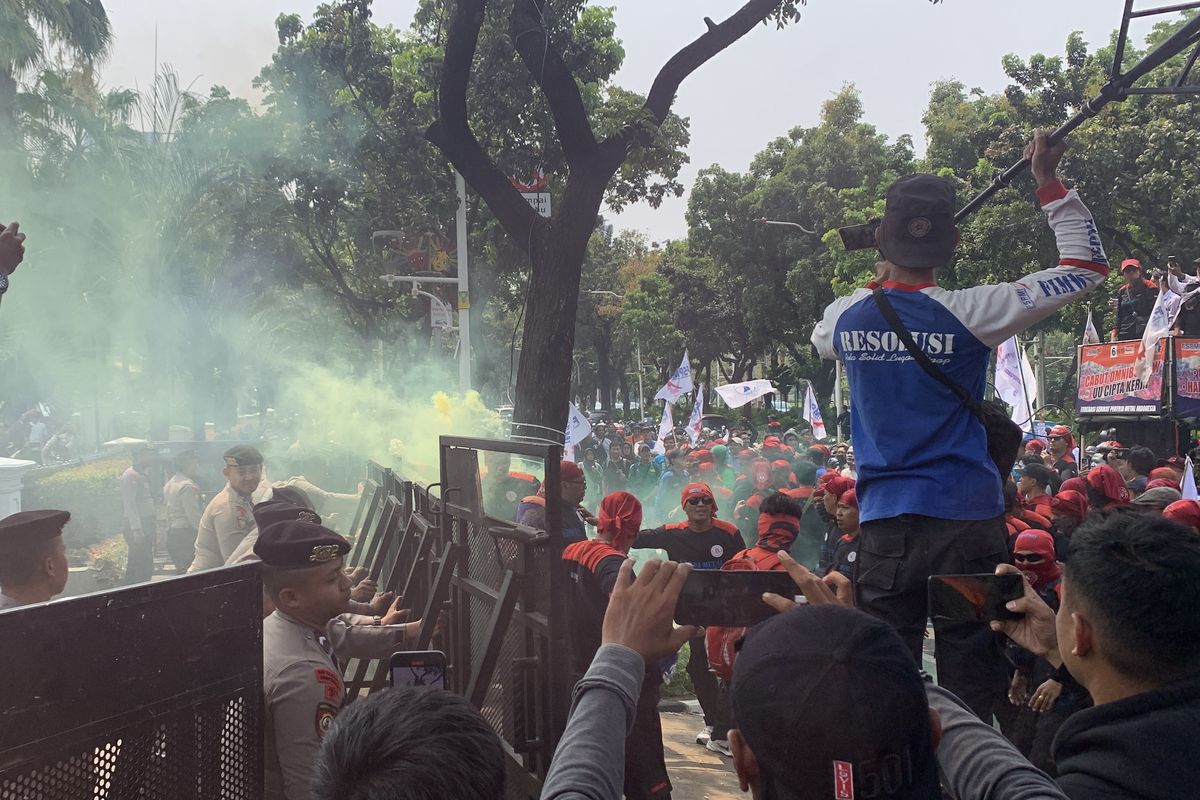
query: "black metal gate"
152, 691
498, 585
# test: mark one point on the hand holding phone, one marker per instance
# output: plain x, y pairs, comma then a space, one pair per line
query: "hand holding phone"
974, 598
730, 598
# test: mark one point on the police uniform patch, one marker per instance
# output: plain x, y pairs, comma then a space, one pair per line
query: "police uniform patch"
326, 714
332, 683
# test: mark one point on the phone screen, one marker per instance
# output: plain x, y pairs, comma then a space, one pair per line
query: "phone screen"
974, 598
859, 237
425, 668
731, 598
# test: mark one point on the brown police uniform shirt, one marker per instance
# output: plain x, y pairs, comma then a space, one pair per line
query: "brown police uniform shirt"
303, 693
225, 522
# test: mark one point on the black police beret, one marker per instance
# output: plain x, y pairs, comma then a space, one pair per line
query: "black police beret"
293, 496
25, 527
268, 512
242, 455
294, 544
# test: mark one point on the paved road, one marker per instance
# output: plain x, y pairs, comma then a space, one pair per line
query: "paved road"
696, 772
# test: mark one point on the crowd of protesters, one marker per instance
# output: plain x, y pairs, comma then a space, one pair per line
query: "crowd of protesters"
1090, 690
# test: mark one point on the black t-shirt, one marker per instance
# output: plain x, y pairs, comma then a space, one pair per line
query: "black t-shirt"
592, 568
708, 550
1066, 468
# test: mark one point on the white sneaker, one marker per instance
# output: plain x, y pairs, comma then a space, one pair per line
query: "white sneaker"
719, 746
703, 736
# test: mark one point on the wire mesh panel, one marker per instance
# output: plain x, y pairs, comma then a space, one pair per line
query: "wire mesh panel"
153, 691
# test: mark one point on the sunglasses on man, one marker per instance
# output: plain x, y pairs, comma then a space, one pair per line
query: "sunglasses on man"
700, 501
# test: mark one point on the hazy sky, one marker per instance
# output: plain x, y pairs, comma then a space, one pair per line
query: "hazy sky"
765, 84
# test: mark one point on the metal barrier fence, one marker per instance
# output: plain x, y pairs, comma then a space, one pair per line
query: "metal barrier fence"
150, 691
496, 584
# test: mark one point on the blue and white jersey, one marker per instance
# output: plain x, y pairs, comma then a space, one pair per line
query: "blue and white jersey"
918, 449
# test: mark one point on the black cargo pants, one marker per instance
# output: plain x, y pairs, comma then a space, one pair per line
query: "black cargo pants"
895, 558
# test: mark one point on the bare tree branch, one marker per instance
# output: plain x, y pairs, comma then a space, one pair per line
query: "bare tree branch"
716, 38
453, 136
527, 28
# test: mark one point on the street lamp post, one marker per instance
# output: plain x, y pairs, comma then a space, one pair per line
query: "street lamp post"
765, 221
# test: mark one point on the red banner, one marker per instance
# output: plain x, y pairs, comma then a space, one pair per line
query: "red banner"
1108, 385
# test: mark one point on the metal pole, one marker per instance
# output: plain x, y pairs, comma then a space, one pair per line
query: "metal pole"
1041, 370
1117, 89
837, 396
641, 394
464, 291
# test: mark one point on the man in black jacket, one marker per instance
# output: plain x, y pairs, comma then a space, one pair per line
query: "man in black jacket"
1128, 631
1134, 302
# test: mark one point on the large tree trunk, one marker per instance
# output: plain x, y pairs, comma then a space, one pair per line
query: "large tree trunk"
604, 371
544, 374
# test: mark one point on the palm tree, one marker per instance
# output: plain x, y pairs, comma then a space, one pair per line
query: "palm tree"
28, 27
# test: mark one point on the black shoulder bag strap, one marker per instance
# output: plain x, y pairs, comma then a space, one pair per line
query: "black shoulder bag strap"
893, 320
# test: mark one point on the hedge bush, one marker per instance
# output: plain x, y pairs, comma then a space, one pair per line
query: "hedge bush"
90, 491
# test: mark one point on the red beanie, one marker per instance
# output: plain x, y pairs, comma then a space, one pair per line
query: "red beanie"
570, 471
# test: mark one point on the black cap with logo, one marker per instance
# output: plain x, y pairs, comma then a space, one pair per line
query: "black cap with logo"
918, 228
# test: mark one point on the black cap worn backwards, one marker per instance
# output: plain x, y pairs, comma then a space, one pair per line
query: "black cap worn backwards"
296, 544
830, 701
918, 228
268, 512
242, 455
28, 527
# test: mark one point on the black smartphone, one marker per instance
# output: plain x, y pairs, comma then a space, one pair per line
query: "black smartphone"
425, 668
859, 237
974, 598
731, 598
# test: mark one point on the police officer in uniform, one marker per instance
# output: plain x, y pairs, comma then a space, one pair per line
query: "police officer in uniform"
302, 682
141, 517
230, 515
33, 559
181, 496
360, 632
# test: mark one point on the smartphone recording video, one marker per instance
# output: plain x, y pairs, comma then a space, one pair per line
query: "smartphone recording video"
974, 598
425, 668
859, 237
730, 598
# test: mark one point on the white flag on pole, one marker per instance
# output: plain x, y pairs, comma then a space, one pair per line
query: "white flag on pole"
1090, 334
694, 424
1015, 382
578, 429
812, 413
1162, 317
737, 395
679, 384
1189, 481
664, 430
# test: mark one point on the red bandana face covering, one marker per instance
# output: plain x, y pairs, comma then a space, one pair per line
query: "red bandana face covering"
777, 531
620, 519
1041, 543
